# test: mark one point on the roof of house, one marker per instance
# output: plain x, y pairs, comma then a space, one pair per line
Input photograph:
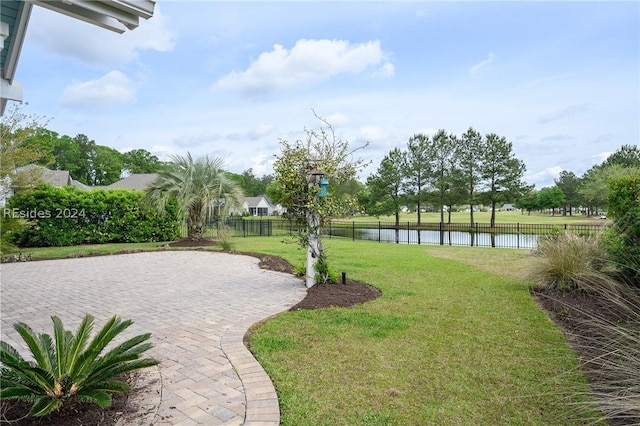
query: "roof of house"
138, 181
53, 177
254, 201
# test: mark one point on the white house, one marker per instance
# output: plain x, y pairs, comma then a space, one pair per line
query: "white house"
258, 206
508, 208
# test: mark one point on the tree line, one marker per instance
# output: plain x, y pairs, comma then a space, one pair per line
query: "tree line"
441, 172
446, 170
588, 192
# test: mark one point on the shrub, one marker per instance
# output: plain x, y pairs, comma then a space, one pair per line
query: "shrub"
68, 367
9, 226
615, 360
69, 216
225, 238
568, 262
623, 240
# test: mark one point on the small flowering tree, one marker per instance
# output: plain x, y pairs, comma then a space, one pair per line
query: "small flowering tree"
297, 188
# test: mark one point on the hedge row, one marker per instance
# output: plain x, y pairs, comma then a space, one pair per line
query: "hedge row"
69, 216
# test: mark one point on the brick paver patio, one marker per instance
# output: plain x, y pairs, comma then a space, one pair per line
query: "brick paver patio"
197, 305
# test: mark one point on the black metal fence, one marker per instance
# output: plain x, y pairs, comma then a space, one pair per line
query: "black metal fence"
505, 235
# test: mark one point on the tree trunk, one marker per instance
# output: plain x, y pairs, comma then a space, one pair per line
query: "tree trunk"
194, 228
397, 227
493, 213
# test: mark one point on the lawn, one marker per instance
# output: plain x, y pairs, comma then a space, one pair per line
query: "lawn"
447, 343
455, 339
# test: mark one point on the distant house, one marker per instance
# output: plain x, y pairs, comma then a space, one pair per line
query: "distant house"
258, 206
255, 206
508, 208
33, 172
139, 181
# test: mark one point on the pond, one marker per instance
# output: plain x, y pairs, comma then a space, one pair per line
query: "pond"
453, 238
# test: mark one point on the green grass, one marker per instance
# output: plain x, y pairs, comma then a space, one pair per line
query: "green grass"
456, 339
447, 343
84, 250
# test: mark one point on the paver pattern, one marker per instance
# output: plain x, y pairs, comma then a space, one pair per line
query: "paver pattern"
197, 305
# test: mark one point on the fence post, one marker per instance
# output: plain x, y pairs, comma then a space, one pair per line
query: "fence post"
353, 229
518, 233
379, 232
441, 226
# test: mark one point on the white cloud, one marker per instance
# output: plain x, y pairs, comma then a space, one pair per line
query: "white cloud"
482, 64
544, 178
386, 70
373, 133
162, 152
97, 46
601, 157
308, 62
114, 88
338, 119
570, 111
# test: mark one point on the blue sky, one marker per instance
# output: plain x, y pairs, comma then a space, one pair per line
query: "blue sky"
560, 80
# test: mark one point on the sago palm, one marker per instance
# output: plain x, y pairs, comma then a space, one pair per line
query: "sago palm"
201, 187
69, 367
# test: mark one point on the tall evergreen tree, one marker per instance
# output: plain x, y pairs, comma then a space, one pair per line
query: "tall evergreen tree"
442, 161
501, 171
386, 186
418, 169
569, 184
469, 153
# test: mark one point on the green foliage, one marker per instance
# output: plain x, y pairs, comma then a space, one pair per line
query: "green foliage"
251, 185
225, 238
324, 273
551, 198
568, 262
69, 367
296, 185
201, 187
501, 170
141, 161
68, 216
624, 237
9, 226
569, 184
386, 185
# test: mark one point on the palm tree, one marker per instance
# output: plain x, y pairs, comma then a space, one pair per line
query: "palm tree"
201, 187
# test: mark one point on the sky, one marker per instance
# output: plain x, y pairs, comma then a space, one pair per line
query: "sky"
559, 80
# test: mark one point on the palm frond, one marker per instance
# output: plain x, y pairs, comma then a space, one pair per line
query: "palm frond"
44, 406
79, 344
109, 331
102, 398
118, 369
22, 393
46, 343
9, 351
111, 386
32, 342
60, 338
